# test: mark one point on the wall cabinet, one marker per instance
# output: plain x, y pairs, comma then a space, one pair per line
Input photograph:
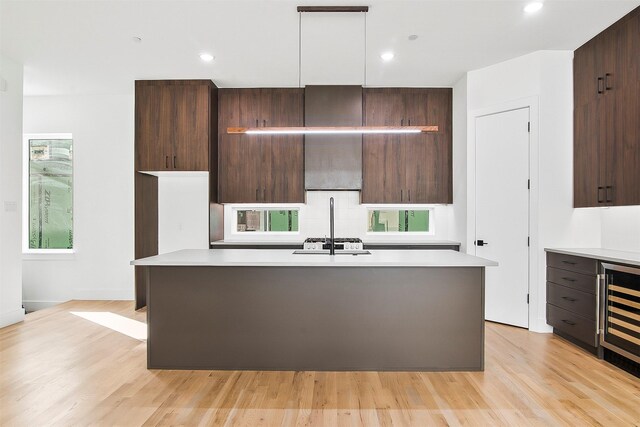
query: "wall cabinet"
408, 168
173, 123
606, 111
260, 168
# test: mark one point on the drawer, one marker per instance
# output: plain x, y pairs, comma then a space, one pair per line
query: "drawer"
579, 327
577, 302
572, 263
579, 281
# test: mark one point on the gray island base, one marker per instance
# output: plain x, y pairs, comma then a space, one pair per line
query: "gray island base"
272, 310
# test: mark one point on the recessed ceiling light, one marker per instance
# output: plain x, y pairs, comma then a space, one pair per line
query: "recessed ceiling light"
136, 39
533, 7
387, 56
206, 57
412, 37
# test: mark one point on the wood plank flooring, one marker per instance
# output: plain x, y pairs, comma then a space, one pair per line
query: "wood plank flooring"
60, 369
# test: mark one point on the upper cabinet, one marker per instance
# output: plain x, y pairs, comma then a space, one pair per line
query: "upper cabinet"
408, 168
175, 121
606, 111
260, 168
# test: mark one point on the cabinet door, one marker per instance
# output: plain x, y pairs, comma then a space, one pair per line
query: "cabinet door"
191, 126
283, 170
428, 176
590, 127
153, 129
383, 159
623, 147
239, 155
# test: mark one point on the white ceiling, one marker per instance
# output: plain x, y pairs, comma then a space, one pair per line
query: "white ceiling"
87, 47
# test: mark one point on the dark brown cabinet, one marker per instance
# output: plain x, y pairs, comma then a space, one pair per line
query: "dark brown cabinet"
572, 298
606, 111
260, 168
174, 120
413, 168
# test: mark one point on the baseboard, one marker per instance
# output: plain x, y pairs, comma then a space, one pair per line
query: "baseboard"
121, 294
11, 317
540, 326
34, 305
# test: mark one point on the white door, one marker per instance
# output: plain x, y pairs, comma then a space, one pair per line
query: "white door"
502, 213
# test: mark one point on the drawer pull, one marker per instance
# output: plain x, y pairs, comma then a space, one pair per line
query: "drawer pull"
569, 262
569, 322
568, 279
569, 299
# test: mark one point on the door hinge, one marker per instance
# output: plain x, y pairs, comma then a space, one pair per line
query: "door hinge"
528, 126
527, 298
528, 184
528, 241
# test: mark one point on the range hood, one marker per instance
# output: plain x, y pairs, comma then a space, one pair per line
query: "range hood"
333, 162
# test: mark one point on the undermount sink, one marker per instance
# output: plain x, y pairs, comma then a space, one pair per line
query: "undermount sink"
326, 252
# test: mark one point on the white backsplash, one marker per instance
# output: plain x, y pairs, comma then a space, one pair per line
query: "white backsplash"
350, 220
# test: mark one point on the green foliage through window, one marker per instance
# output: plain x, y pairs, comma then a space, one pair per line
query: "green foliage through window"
267, 220
50, 194
399, 220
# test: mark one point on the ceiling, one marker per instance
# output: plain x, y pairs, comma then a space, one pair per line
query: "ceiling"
87, 47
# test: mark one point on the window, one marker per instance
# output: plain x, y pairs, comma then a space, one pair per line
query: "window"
266, 220
48, 208
400, 221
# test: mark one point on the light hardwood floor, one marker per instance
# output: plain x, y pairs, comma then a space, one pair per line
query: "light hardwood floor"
58, 368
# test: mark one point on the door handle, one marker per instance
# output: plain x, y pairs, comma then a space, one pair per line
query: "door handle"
480, 242
600, 199
606, 193
600, 84
606, 82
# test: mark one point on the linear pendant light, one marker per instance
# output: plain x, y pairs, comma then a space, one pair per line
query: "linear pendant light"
334, 130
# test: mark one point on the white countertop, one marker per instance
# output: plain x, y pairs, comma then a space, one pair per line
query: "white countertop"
286, 258
611, 255
299, 243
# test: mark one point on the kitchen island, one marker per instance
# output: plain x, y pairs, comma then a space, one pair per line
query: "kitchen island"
270, 309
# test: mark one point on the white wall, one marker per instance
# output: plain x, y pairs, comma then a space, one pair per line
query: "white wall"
542, 80
458, 220
10, 191
183, 213
350, 220
102, 128
621, 228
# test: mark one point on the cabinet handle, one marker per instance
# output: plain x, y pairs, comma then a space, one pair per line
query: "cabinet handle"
257, 193
568, 279
256, 122
166, 162
569, 322
600, 199
174, 162
400, 195
600, 83
569, 262
606, 82
409, 190
264, 123
409, 125
264, 194
401, 122
606, 193
569, 299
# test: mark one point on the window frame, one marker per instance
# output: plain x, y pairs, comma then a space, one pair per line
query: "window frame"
234, 215
28, 252
393, 207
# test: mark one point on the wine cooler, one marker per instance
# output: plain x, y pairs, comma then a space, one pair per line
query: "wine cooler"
620, 310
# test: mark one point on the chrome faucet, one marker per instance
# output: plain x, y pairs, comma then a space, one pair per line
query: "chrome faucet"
332, 245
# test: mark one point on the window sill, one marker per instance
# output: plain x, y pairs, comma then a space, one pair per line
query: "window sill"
49, 255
